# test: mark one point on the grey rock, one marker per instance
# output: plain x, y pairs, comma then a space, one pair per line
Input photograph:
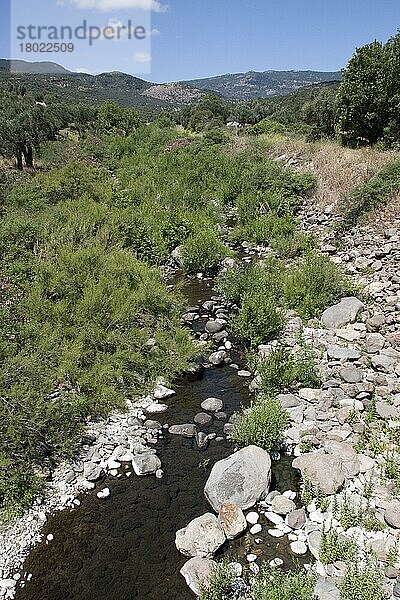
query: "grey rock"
383, 362
342, 353
215, 326
374, 342
322, 469
212, 404
392, 514
145, 464
187, 430
282, 505
202, 419
243, 478
386, 411
346, 311
289, 401
197, 572
201, 537
202, 440
232, 520
326, 590
217, 358
161, 392
314, 543
92, 471
396, 588
351, 375
296, 519
149, 424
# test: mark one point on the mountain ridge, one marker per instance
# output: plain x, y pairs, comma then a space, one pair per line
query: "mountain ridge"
46, 76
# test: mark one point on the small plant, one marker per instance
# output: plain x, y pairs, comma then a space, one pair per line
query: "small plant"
307, 491
219, 584
313, 284
368, 489
262, 424
348, 513
203, 252
306, 445
321, 500
274, 584
392, 556
258, 320
334, 548
363, 580
283, 370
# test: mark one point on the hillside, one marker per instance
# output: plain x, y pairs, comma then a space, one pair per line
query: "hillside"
46, 77
247, 86
33, 68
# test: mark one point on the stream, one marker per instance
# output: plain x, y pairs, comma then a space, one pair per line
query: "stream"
123, 547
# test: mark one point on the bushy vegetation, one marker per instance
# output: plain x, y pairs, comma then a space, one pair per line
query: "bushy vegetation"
363, 580
268, 584
285, 370
334, 547
376, 192
274, 584
313, 284
368, 96
264, 291
262, 424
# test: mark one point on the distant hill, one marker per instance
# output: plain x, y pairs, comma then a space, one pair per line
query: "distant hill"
48, 77
34, 68
247, 86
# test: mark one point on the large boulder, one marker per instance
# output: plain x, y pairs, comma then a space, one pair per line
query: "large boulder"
232, 520
346, 311
197, 572
202, 537
323, 470
243, 478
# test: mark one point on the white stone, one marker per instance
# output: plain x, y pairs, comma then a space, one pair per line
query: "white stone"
298, 548
252, 518
257, 528
104, 493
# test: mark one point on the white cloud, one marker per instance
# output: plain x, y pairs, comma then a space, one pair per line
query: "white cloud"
83, 70
155, 32
142, 57
110, 5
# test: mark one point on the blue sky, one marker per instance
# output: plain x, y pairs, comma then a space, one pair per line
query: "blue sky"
198, 38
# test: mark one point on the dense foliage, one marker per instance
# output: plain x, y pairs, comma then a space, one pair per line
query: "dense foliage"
26, 122
368, 100
376, 192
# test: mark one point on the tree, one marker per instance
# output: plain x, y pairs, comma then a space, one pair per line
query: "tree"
320, 112
25, 123
118, 119
363, 99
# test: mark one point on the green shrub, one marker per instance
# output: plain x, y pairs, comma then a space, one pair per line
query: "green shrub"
363, 580
313, 284
266, 126
259, 319
377, 191
203, 252
262, 424
273, 584
219, 585
284, 370
334, 548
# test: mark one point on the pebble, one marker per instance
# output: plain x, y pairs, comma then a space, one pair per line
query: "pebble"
252, 518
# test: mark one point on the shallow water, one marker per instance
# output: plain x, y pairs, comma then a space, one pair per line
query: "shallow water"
122, 547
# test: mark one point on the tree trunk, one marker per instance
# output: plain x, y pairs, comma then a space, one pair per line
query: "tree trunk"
28, 154
18, 157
